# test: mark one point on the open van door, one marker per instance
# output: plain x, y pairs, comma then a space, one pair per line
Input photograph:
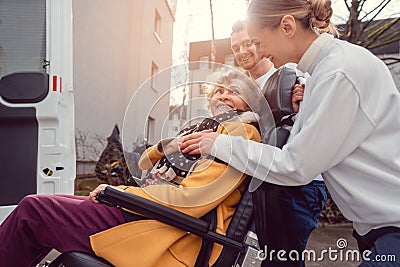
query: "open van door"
37, 146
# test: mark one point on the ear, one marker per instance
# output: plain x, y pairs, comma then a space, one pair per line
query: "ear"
288, 25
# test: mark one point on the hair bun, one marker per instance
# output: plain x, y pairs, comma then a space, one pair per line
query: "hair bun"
321, 13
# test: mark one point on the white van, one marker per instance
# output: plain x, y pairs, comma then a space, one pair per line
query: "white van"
37, 143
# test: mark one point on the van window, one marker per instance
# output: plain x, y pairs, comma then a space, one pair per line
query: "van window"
22, 21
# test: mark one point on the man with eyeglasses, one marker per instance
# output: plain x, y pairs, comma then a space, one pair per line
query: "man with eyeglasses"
298, 207
260, 69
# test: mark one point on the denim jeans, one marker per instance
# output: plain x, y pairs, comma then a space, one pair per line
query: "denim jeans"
380, 247
300, 208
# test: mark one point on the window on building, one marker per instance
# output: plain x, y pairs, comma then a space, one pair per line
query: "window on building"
204, 64
154, 70
229, 60
157, 26
151, 128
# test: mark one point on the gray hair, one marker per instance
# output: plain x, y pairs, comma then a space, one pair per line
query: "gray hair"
223, 77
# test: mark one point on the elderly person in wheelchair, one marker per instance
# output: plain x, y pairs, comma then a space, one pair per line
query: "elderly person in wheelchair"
74, 223
80, 228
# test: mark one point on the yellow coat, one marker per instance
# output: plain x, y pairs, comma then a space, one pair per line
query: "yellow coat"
148, 243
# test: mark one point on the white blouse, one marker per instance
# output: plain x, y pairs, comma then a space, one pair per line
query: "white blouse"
348, 129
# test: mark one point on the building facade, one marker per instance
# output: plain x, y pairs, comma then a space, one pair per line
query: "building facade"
118, 47
199, 56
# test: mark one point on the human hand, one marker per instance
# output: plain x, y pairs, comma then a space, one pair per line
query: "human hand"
96, 191
297, 96
169, 146
199, 143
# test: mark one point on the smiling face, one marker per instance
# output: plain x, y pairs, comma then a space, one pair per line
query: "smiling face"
230, 98
265, 42
244, 50
284, 43
268, 43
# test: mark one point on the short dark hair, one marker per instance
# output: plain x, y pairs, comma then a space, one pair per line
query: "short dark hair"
238, 26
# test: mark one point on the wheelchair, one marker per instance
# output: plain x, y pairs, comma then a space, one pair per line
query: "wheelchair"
240, 244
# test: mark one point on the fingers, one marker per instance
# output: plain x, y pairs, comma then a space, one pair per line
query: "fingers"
198, 143
96, 191
191, 144
193, 138
92, 197
297, 96
193, 150
298, 90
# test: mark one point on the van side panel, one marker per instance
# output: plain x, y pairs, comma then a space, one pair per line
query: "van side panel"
37, 145
18, 129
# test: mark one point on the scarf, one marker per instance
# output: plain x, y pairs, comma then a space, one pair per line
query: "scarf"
173, 168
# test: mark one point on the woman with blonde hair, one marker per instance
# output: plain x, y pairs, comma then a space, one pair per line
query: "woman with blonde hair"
348, 126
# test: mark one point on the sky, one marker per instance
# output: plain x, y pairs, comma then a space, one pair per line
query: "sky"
193, 22
226, 12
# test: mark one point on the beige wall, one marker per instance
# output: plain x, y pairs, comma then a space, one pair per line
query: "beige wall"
114, 46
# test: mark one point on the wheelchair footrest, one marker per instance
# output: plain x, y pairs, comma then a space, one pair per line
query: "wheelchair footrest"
74, 259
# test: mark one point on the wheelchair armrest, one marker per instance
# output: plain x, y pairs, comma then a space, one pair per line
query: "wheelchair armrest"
152, 210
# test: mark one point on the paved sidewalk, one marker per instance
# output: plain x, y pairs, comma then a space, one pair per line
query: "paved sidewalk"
323, 238
338, 244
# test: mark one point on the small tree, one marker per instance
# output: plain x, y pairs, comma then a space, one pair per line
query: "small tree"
363, 28
111, 166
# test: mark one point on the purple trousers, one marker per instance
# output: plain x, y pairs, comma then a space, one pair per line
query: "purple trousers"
42, 222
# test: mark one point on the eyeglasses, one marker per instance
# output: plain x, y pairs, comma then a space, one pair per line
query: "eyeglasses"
244, 45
